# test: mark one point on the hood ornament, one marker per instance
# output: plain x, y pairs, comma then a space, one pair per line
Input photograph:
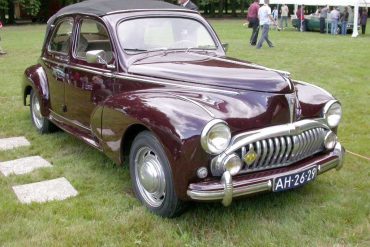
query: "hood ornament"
294, 106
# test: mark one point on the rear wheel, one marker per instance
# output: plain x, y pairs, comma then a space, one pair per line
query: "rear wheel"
152, 177
42, 124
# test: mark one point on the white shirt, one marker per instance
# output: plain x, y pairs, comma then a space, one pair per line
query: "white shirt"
263, 14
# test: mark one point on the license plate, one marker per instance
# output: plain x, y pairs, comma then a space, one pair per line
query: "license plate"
294, 180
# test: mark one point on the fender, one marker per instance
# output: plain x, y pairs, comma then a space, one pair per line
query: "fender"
312, 99
175, 121
35, 78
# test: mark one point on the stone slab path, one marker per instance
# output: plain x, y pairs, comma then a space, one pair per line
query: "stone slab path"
13, 142
49, 190
23, 165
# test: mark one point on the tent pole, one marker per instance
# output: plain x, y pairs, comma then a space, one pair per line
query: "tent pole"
355, 20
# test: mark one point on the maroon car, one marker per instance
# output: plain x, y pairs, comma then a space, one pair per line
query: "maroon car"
150, 81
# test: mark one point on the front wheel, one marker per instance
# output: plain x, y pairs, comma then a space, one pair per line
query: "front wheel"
152, 177
42, 124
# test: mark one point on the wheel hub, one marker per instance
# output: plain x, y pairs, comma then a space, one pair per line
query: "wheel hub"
150, 177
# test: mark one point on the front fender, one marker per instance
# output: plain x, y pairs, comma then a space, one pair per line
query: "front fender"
35, 78
175, 121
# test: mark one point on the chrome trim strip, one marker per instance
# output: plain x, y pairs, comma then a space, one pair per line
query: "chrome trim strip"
92, 70
56, 116
282, 72
196, 103
166, 83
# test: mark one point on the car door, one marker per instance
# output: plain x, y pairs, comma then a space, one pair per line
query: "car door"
55, 61
88, 84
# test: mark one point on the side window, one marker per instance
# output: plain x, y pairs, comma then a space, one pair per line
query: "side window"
61, 39
93, 36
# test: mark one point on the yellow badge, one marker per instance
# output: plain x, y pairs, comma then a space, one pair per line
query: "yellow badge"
250, 157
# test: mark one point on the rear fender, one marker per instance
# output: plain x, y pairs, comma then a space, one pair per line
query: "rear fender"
35, 78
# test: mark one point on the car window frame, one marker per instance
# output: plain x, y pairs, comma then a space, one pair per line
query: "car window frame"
55, 29
211, 33
78, 24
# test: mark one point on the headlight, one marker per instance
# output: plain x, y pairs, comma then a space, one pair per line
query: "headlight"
332, 113
330, 140
233, 164
215, 137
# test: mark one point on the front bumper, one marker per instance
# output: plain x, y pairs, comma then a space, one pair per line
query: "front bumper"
228, 188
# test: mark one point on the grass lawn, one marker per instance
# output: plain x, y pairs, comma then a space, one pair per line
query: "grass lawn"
332, 211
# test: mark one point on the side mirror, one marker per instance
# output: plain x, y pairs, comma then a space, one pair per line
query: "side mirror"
96, 56
225, 46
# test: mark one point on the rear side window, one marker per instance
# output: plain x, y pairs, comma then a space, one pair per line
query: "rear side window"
61, 39
93, 36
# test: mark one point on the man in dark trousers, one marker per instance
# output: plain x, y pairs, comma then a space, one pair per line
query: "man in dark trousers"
253, 21
188, 4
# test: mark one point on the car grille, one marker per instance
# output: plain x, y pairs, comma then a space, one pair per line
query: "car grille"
283, 150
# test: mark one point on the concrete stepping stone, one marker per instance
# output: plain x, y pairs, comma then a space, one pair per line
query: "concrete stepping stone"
57, 189
13, 142
23, 165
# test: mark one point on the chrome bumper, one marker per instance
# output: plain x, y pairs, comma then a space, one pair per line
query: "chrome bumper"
229, 191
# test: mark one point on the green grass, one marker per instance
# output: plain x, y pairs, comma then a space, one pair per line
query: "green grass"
332, 211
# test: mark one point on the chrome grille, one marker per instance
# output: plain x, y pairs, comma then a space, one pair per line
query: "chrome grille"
283, 150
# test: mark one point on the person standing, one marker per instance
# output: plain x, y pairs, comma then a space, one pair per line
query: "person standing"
188, 4
300, 16
334, 16
264, 15
323, 16
284, 16
363, 20
252, 17
275, 15
344, 20
2, 52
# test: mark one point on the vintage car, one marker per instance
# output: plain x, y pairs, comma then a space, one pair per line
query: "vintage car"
150, 82
312, 23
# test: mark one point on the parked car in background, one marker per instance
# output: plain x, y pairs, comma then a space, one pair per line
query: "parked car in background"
150, 82
313, 24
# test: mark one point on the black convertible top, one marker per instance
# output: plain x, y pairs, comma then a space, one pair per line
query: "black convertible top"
103, 7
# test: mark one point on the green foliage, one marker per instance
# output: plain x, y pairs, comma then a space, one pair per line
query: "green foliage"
32, 7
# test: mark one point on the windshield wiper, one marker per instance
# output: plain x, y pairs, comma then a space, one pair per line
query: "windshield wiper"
134, 49
201, 48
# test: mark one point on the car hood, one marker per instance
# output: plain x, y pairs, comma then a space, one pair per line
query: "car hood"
213, 71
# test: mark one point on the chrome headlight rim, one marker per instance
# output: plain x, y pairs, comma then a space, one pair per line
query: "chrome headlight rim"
205, 132
328, 106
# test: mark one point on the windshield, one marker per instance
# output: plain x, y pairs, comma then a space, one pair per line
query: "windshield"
148, 34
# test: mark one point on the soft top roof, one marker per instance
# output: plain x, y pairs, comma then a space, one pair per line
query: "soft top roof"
103, 7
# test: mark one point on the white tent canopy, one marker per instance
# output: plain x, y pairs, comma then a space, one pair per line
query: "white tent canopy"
355, 3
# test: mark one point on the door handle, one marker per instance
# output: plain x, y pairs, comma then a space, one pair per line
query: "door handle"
59, 73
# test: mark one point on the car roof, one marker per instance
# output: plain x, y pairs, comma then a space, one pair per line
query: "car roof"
105, 7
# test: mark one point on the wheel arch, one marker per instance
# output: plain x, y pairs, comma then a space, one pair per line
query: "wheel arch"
128, 138
35, 79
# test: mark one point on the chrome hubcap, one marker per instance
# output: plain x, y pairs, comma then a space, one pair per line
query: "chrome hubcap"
149, 177
36, 112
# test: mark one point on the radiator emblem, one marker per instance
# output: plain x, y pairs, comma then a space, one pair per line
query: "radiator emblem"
250, 157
